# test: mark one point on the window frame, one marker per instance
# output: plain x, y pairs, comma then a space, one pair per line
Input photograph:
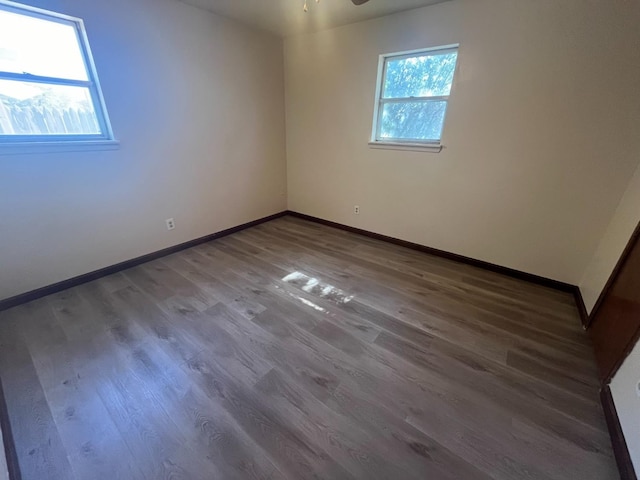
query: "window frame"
104, 139
407, 143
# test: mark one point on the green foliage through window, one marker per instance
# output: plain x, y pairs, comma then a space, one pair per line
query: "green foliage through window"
414, 95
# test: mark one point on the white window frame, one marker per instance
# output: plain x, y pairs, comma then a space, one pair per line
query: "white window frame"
28, 143
401, 143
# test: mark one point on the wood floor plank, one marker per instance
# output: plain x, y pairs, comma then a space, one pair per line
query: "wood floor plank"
490, 348
414, 446
510, 393
347, 264
406, 396
359, 450
317, 377
522, 388
292, 350
294, 452
427, 266
271, 289
148, 432
210, 442
381, 298
41, 453
90, 438
449, 407
430, 263
209, 277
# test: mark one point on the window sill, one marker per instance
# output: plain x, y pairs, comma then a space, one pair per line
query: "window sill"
411, 147
57, 147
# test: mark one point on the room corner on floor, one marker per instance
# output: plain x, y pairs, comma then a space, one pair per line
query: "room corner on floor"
348, 239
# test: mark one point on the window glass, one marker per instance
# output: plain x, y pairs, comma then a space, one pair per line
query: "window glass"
40, 109
420, 76
413, 121
39, 47
414, 96
48, 87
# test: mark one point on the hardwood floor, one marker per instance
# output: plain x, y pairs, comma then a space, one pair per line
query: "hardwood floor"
294, 350
4, 472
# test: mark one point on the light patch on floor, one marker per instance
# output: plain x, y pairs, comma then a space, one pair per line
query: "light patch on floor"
316, 287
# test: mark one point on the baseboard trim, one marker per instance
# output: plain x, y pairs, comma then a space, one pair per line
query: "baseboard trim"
10, 452
620, 449
582, 308
614, 274
529, 277
103, 272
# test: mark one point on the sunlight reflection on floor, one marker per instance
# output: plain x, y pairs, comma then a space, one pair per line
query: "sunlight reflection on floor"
314, 286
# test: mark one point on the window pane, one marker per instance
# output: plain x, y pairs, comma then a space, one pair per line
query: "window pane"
421, 76
40, 109
39, 47
413, 120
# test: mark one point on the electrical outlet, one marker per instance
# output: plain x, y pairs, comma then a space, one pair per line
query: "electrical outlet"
356, 210
171, 224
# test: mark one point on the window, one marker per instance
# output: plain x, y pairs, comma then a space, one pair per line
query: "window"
49, 90
413, 94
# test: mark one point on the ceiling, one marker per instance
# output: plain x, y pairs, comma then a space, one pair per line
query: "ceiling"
286, 17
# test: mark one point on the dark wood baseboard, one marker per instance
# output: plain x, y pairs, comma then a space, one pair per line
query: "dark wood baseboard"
614, 274
9, 445
529, 277
103, 272
582, 308
620, 449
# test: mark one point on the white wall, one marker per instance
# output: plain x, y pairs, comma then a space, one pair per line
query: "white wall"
626, 397
541, 135
197, 102
615, 239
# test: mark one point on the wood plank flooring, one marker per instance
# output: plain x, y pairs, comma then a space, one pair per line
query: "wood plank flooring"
296, 351
4, 471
